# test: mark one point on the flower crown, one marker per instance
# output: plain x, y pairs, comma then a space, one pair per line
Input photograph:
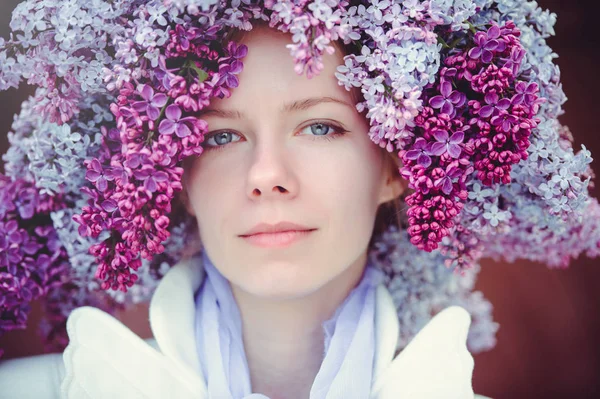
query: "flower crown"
463, 91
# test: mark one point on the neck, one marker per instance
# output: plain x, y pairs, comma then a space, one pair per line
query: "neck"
284, 361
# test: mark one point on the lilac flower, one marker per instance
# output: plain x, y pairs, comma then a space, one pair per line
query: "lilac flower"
26, 202
494, 105
452, 172
486, 44
494, 215
505, 121
444, 144
151, 178
152, 102
377, 7
525, 93
175, 123
184, 36
478, 194
10, 241
135, 159
419, 151
514, 61
96, 174
448, 99
227, 74
231, 64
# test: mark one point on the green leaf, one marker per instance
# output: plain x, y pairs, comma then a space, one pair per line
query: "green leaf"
202, 75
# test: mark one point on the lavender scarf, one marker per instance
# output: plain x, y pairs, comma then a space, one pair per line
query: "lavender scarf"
347, 366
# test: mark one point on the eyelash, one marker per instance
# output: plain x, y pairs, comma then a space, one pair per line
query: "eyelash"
338, 131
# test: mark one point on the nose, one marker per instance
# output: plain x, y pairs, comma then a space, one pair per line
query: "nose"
271, 174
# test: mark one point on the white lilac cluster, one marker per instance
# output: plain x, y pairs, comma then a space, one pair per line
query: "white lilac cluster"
421, 286
398, 56
53, 154
63, 47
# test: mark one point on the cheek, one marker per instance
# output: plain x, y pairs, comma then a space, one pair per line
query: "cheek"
210, 195
349, 182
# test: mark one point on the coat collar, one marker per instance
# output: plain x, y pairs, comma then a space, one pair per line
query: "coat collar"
435, 364
173, 304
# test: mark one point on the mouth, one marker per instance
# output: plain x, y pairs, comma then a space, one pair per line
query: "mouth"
277, 239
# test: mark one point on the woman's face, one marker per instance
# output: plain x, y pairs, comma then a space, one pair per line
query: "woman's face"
285, 148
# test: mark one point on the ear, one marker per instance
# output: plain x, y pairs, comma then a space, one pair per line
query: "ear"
393, 184
185, 198
393, 187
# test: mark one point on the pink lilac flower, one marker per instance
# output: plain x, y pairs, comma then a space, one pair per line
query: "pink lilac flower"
486, 44
445, 144
152, 102
420, 152
174, 123
97, 175
494, 106
447, 99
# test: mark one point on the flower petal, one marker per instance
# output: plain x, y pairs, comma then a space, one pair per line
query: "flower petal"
150, 185
166, 127
173, 112
457, 138
503, 104
486, 111
109, 205
153, 112
475, 53
437, 102
440, 135
412, 154
487, 56
491, 98
454, 150
447, 108
183, 130
424, 160
446, 88
493, 32
437, 149
140, 106
147, 92
447, 185
159, 100
101, 184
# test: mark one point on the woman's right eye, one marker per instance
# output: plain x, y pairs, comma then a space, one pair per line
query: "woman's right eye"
220, 139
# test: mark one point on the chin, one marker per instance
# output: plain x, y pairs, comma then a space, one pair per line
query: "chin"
280, 280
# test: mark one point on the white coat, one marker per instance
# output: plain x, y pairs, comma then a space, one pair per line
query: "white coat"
104, 359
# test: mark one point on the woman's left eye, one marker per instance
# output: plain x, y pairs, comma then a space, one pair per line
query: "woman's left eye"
322, 129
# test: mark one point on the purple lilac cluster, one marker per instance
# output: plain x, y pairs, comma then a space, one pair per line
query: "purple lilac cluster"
135, 179
32, 259
478, 117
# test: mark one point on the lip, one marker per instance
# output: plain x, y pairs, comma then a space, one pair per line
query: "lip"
276, 235
280, 227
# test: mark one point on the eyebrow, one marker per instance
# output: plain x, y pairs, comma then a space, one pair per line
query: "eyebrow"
300, 105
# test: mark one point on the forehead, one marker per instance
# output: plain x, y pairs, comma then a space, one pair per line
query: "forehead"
269, 79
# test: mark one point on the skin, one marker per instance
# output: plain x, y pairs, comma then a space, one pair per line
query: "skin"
275, 168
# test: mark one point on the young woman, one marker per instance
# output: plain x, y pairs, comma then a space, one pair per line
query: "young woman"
302, 284
282, 302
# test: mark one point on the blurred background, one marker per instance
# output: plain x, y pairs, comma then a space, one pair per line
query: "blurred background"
549, 337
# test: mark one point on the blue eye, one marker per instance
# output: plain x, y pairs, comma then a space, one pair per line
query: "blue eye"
323, 129
220, 139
